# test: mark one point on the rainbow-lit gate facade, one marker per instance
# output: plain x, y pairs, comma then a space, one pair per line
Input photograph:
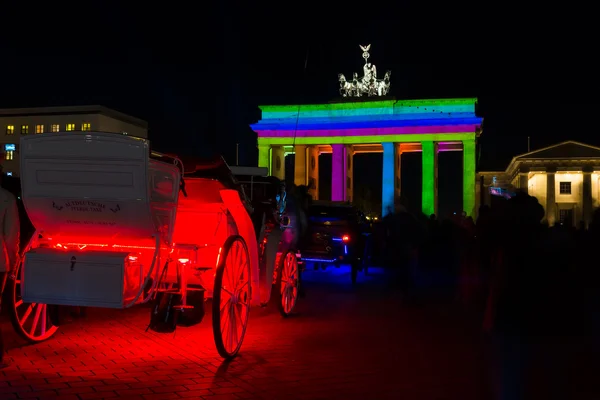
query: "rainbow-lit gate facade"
390, 126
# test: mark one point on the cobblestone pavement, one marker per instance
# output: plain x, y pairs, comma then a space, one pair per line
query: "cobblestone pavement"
347, 343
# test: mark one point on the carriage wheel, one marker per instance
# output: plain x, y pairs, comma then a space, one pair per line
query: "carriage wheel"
30, 320
288, 282
231, 297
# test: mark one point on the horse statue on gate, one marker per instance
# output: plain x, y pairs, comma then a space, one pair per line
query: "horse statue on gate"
383, 86
346, 88
368, 84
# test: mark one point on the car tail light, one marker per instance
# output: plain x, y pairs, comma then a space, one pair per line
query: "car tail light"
345, 238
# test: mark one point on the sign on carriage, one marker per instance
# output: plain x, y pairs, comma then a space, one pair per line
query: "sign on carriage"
85, 206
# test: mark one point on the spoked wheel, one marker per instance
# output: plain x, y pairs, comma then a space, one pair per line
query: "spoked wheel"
231, 297
30, 320
288, 283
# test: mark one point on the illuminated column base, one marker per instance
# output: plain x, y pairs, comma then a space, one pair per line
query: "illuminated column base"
430, 174
349, 173
338, 172
388, 184
551, 198
313, 172
278, 162
300, 167
469, 176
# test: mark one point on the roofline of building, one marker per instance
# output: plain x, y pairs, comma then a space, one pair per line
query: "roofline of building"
72, 110
511, 167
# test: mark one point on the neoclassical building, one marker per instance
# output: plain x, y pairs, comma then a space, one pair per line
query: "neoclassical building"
565, 178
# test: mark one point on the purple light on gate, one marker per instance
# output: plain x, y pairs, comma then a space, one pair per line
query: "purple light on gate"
338, 169
406, 130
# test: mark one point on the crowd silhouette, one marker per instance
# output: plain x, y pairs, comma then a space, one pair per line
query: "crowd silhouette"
531, 288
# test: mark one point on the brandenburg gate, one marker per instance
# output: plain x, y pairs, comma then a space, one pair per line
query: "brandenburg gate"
375, 124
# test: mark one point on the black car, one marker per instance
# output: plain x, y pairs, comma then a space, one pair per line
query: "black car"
338, 233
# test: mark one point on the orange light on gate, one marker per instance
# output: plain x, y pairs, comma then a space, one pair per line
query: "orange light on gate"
345, 238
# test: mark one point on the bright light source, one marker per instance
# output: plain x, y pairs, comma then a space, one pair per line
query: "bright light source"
345, 238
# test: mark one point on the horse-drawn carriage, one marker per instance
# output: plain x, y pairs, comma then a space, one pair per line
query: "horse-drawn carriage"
117, 225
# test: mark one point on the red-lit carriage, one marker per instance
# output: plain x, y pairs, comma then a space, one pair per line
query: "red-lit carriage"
117, 225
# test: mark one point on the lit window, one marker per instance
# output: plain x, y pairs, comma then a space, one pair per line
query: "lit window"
39, 129
55, 127
70, 127
24, 129
86, 126
10, 129
9, 151
565, 188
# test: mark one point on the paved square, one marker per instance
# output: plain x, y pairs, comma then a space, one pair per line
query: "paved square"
346, 343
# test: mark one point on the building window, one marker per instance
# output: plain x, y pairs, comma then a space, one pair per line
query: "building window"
9, 151
55, 127
39, 129
565, 188
70, 127
24, 129
86, 126
10, 129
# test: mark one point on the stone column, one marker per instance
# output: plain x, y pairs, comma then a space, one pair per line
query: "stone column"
398, 173
388, 184
278, 162
551, 197
313, 172
430, 175
524, 182
338, 172
587, 200
263, 156
469, 176
300, 165
349, 173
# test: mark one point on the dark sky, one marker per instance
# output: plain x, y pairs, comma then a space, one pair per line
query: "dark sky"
196, 71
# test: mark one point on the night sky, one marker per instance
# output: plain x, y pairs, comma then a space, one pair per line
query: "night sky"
197, 71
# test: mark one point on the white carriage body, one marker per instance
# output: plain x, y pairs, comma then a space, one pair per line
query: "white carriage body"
105, 216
